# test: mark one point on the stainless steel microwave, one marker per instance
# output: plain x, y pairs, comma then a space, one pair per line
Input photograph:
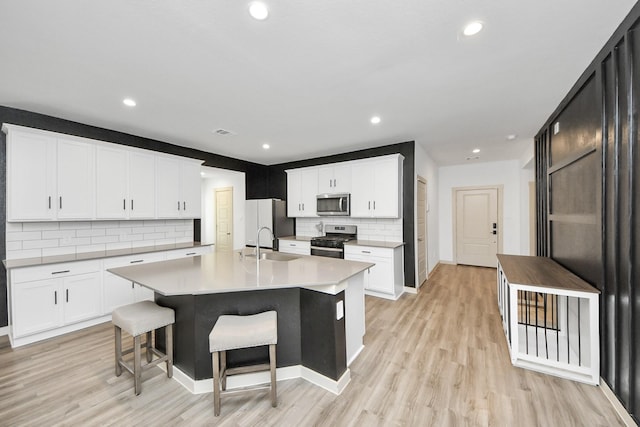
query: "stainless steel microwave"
333, 204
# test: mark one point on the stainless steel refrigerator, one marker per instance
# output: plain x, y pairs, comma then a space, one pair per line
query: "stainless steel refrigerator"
270, 213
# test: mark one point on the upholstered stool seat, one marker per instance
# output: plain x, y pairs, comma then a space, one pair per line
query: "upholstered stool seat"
138, 319
234, 332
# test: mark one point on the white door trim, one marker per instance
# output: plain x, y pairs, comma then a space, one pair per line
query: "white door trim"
454, 197
426, 232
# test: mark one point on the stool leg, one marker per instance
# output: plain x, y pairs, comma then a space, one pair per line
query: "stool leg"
137, 371
118, 346
223, 368
272, 369
168, 341
216, 383
147, 347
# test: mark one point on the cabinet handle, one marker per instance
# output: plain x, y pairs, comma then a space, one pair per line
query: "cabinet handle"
334, 182
60, 202
124, 204
366, 252
178, 204
374, 205
184, 206
60, 272
303, 206
299, 207
191, 253
132, 285
55, 297
49, 202
136, 261
369, 205
131, 204
292, 244
67, 295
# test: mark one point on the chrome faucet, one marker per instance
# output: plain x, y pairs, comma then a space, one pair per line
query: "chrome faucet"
258, 241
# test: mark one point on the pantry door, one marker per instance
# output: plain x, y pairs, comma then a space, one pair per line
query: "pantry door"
477, 227
224, 219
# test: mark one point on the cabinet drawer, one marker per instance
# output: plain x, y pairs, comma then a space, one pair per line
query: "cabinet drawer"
368, 251
134, 259
187, 252
295, 247
53, 271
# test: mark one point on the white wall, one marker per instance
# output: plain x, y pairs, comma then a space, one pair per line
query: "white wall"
527, 174
427, 168
505, 173
220, 178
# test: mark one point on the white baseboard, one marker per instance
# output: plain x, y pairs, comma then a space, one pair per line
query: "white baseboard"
4, 331
256, 378
447, 262
624, 415
383, 295
410, 290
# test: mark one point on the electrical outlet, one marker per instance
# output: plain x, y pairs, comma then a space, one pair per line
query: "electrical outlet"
339, 310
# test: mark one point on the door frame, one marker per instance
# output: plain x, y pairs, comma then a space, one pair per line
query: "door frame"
454, 197
426, 231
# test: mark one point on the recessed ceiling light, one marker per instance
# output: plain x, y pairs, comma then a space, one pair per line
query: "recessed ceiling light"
512, 137
472, 28
258, 10
476, 150
266, 146
129, 102
375, 120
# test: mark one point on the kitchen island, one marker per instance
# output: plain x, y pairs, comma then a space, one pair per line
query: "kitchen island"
319, 301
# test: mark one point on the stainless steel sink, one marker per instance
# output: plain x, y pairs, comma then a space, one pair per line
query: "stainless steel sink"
278, 256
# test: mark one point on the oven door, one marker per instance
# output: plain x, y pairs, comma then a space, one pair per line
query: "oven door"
327, 252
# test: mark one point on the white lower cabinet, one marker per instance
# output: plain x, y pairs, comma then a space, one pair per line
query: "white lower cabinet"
53, 299
118, 291
299, 247
48, 297
386, 278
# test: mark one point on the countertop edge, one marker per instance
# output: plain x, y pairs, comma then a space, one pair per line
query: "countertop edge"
88, 256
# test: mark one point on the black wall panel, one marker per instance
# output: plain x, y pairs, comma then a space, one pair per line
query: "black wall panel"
598, 238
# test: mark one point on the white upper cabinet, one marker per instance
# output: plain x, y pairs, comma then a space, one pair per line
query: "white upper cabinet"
334, 178
57, 177
302, 189
178, 188
31, 176
76, 179
377, 187
49, 176
125, 183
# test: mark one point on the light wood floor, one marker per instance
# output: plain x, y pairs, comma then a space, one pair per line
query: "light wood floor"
438, 358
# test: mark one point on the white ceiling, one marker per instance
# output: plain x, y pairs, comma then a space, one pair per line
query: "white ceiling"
307, 79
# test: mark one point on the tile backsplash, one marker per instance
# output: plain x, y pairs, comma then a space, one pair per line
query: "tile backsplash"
36, 239
380, 229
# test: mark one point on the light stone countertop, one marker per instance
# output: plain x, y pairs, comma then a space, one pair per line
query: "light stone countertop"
220, 272
374, 243
85, 256
296, 238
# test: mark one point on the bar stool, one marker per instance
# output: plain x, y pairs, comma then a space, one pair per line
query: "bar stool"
233, 332
137, 319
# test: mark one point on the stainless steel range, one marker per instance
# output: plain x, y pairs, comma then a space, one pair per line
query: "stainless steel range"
332, 244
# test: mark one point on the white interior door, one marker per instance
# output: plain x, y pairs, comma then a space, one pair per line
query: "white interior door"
477, 226
422, 231
224, 219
